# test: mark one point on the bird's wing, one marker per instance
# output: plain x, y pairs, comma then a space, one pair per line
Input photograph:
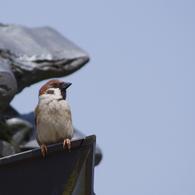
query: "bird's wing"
36, 112
68, 115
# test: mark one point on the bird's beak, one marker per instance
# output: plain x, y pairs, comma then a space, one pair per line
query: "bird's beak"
65, 85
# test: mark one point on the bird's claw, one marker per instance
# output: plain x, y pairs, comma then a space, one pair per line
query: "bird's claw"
67, 142
44, 150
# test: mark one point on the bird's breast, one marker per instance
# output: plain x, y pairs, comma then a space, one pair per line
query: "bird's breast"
54, 121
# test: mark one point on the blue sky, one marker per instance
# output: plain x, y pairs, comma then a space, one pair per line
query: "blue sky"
136, 93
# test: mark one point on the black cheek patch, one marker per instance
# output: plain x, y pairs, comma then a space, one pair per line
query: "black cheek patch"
50, 91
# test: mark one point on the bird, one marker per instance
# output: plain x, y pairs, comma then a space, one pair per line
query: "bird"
53, 118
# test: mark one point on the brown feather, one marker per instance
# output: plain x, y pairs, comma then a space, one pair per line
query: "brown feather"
36, 113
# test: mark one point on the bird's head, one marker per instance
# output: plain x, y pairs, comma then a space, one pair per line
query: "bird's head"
54, 89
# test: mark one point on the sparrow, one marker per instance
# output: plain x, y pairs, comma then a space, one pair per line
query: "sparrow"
53, 118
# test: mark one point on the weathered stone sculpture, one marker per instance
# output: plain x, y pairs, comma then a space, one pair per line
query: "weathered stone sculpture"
27, 56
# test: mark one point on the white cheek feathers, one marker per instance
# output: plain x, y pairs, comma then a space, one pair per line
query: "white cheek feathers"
51, 96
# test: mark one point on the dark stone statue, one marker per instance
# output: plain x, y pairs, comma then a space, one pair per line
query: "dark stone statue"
27, 56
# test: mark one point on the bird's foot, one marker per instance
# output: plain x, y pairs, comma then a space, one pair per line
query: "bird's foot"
67, 142
44, 150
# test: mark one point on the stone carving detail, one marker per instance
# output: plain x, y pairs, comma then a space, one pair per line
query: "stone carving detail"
27, 56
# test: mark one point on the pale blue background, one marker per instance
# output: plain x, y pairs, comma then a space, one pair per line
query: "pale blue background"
136, 94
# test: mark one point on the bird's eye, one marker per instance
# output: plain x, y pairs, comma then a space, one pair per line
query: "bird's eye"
55, 85
50, 91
